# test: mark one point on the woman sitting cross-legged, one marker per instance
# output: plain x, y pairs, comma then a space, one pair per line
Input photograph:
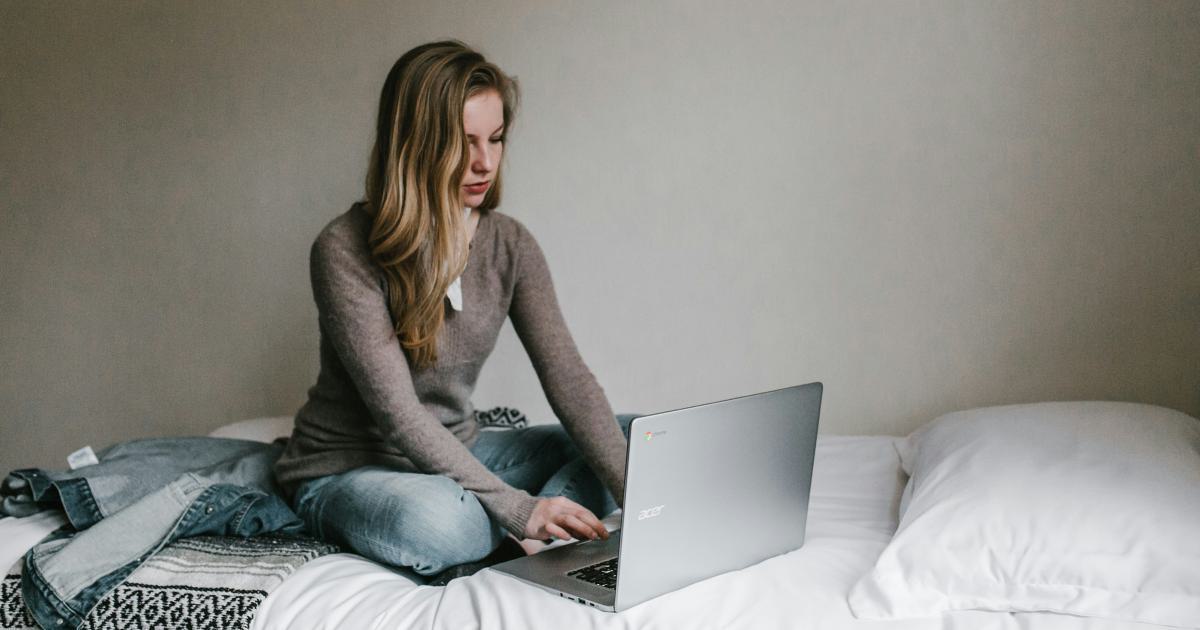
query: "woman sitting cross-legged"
412, 286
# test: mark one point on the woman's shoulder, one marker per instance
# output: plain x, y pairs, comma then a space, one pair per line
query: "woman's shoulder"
347, 228
343, 240
509, 229
348, 233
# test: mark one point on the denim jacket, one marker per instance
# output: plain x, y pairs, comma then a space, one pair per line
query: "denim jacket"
141, 496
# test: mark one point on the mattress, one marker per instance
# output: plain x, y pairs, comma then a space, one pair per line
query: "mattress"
857, 482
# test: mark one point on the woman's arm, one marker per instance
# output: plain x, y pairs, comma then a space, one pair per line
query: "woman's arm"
353, 313
571, 388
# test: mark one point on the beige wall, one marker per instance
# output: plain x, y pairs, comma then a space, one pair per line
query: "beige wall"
926, 205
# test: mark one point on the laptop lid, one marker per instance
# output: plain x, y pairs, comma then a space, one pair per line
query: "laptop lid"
715, 488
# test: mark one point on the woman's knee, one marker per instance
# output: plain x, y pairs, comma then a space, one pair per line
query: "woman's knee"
445, 527
426, 522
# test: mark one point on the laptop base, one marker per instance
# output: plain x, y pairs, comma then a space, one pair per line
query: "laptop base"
548, 570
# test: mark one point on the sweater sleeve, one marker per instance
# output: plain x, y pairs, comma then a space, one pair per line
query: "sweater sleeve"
353, 312
571, 389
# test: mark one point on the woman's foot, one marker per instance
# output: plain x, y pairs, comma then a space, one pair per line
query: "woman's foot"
509, 549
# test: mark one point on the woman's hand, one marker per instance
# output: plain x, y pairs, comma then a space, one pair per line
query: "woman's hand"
560, 517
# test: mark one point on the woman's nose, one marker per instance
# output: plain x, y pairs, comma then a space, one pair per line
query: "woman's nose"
481, 160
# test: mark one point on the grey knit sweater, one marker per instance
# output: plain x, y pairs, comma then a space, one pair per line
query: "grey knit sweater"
370, 408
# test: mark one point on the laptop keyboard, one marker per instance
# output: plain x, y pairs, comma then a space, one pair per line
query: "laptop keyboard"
602, 574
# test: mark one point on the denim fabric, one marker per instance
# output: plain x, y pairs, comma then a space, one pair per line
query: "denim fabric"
429, 522
205, 486
127, 472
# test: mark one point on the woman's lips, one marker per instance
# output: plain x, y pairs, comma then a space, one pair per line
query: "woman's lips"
478, 188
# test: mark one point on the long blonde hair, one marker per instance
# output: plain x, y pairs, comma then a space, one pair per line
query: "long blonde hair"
413, 183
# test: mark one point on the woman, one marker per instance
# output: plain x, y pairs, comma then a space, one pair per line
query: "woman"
412, 286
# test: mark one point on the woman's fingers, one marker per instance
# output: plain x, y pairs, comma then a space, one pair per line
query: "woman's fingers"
594, 523
579, 530
562, 518
556, 531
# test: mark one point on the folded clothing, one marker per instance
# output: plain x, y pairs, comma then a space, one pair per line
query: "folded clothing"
198, 582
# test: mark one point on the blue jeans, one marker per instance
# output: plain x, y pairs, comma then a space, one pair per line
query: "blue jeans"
140, 497
429, 522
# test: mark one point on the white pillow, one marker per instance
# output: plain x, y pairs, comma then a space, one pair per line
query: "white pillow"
1086, 508
258, 429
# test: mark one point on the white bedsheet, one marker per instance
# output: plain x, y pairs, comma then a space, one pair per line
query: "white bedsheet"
856, 487
18, 535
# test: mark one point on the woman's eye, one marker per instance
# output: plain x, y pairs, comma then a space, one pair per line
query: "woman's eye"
497, 139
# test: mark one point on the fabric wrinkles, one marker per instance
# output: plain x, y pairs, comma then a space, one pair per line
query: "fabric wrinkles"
428, 522
143, 495
370, 408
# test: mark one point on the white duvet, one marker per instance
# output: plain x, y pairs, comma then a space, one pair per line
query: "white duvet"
857, 483
856, 488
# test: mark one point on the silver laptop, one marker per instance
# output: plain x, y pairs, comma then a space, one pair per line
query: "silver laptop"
708, 489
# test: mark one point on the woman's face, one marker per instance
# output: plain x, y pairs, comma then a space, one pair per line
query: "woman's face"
483, 120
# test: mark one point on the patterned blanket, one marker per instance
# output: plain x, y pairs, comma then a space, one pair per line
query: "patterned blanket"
202, 582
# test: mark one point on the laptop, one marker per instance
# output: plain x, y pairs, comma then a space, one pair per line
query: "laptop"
708, 489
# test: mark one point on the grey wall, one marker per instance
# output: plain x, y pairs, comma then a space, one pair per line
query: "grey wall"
926, 205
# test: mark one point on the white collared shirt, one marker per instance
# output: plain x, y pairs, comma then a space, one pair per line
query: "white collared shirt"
455, 290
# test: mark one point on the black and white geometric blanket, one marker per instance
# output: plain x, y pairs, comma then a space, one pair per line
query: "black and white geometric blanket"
501, 418
201, 582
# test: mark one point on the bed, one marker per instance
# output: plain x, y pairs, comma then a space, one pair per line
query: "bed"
859, 485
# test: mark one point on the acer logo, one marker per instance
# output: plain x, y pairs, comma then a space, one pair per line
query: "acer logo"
650, 513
